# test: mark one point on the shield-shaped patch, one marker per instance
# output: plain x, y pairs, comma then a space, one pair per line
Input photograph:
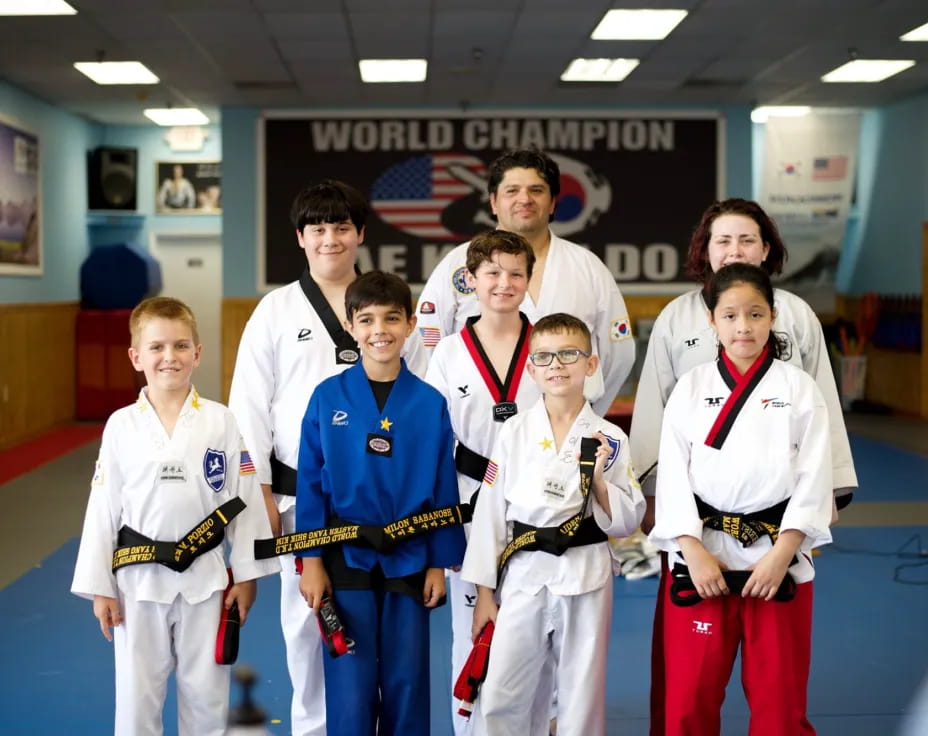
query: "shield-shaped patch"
214, 469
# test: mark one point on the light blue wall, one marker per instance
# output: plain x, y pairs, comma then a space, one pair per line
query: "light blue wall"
63, 142
152, 147
884, 253
240, 187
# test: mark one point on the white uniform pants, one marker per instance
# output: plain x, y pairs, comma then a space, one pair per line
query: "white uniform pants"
304, 647
531, 630
155, 639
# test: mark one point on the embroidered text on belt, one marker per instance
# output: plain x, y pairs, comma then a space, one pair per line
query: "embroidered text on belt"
577, 531
746, 528
381, 538
135, 548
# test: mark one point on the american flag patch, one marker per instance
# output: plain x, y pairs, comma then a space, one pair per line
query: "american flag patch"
827, 168
430, 336
490, 476
245, 465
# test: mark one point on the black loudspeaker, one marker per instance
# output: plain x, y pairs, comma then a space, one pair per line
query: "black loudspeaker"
112, 175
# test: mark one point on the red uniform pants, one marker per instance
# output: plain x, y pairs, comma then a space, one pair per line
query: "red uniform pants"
658, 689
700, 646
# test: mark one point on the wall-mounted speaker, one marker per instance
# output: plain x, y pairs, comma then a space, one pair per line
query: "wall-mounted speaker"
112, 176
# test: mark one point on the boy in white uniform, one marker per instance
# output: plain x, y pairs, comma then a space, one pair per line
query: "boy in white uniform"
554, 605
481, 373
293, 341
523, 186
171, 467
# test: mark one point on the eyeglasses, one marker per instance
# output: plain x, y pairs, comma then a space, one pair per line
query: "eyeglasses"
564, 357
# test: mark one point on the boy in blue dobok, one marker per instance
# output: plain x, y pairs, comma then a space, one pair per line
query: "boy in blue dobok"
376, 448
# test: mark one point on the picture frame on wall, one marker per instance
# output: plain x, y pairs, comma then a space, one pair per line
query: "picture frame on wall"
20, 201
188, 187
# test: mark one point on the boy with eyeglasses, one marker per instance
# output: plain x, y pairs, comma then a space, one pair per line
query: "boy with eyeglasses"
538, 550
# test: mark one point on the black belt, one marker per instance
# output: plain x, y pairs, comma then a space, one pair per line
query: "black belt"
381, 538
344, 577
135, 548
683, 591
283, 478
557, 539
746, 528
469, 463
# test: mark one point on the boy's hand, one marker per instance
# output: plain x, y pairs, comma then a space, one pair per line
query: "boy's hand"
600, 489
705, 570
434, 587
314, 582
485, 610
106, 610
273, 514
244, 594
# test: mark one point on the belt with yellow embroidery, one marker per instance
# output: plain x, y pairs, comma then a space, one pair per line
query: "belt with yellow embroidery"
381, 538
577, 531
746, 528
136, 549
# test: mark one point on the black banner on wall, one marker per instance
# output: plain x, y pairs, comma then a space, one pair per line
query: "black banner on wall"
632, 188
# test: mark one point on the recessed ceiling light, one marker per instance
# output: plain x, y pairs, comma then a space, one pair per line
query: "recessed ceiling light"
867, 70
176, 116
598, 70
35, 7
116, 72
760, 114
637, 25
393, 70
916, 34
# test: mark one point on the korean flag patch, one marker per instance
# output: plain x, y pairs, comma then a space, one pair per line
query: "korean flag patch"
620, 329
214, 469
614, 446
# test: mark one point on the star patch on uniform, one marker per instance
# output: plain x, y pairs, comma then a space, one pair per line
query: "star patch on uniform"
195, 401
620, 329
546, 444
460, 281
385, 424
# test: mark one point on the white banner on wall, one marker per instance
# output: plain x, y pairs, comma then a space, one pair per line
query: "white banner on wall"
807, 186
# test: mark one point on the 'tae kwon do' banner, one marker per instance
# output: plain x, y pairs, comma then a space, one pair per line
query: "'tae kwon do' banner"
632, 188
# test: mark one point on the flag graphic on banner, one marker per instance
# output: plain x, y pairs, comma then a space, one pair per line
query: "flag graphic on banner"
412, 195
829, 168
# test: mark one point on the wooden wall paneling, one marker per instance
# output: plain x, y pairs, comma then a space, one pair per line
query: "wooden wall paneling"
235, 313
37, 372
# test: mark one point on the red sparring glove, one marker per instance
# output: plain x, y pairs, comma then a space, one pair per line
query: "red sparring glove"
333, 633
474, 672
227, 636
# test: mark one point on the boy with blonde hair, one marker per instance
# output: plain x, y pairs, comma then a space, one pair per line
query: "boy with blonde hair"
538, 550
172, 478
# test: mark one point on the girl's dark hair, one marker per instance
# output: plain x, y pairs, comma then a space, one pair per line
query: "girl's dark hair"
697, 258
329, 201
735, 275
379, 289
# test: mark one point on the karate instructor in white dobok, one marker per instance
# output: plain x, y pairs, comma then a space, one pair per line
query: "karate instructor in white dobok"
523, 186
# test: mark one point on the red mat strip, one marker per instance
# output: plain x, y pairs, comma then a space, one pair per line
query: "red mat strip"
20, 459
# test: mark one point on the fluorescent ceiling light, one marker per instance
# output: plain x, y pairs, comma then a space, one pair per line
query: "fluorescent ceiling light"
35, 7
760, 114
176, 116
637, 25
393, 70
916, 34
116, 72
598, 70
867, 70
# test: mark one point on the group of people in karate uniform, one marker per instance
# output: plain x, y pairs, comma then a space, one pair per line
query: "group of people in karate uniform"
488, 399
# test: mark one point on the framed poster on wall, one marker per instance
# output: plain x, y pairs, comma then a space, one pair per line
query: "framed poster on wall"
20, 194
188, 187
